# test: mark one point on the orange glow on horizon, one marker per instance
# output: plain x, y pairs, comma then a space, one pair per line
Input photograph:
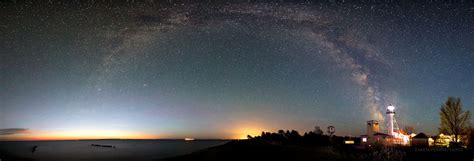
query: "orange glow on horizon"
238, 133
78, 135
241, 133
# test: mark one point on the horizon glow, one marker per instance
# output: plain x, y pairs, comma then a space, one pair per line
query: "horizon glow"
225, 71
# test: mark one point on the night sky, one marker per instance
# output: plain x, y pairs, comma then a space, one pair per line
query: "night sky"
75, 70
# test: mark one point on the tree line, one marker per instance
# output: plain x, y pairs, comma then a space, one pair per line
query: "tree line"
454, 121
315, 137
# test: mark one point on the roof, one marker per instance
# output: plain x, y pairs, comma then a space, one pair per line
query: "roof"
383, 134
421, 136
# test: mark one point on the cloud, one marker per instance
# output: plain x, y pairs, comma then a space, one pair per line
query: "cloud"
13, 131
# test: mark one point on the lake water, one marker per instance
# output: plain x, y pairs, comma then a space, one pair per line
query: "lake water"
126, 150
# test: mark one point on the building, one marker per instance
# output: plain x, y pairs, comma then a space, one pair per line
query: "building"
373, 128
393, 136
447, 140
420, 140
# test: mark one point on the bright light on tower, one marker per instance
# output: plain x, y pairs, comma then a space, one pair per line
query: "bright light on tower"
391, 108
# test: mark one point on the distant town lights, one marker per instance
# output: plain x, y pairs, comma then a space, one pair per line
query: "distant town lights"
364, 140
349, 142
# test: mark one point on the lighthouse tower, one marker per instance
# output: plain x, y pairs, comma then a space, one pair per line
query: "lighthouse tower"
391, 119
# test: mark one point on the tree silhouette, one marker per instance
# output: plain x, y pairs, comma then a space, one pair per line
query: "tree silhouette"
317, 130
249, 137
471, 139
281, 132
409, 129
454, 121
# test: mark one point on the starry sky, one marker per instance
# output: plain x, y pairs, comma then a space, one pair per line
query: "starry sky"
76, 70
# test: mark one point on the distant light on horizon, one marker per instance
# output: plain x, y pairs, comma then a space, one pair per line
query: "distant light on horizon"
244, 132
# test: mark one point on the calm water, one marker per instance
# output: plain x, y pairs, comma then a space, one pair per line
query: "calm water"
130, 150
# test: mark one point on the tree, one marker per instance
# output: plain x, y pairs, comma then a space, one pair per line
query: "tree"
317, 130
281, 132
409, 129
454, 121
471, 139
294, 134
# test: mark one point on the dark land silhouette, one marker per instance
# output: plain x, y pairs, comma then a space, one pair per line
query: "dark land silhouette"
292, 146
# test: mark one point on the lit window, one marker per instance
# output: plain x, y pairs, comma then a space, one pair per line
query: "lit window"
364, 140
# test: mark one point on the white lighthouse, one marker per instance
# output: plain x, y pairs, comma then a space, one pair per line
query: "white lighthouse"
391, 119
393, 136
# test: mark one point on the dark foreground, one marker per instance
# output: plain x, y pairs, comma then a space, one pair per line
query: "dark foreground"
257, 150
100, 150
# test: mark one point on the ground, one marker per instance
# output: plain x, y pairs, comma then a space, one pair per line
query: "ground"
257, 150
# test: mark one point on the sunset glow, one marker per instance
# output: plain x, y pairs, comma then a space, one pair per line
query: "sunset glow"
242, 133
79, 135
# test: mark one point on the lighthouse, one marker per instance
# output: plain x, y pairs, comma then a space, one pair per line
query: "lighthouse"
390, 116
393, 136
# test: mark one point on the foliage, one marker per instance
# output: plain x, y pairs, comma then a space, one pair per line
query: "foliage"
409, 129
454, 121
317, 130
293, 137
335, 149
471, 139
379, 152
